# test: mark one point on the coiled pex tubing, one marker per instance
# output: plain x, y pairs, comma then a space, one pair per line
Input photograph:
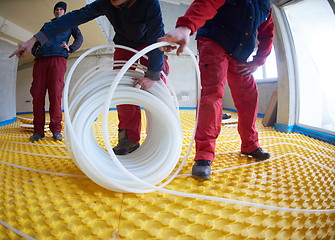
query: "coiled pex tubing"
156, 158
94, 93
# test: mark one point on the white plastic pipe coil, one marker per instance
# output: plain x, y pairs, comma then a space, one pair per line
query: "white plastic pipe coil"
152, 163
94, 93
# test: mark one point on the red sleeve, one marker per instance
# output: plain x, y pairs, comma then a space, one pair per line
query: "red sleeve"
198, 13
265, 38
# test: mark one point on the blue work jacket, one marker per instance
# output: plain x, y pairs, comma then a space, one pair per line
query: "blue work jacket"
235, 26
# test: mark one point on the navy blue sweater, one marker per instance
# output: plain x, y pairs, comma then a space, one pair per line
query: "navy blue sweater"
135, 25
235, 26
53, 47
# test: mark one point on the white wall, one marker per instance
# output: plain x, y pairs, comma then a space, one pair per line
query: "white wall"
23, 97
7, 81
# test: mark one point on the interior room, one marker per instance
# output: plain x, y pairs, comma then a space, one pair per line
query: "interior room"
77, 188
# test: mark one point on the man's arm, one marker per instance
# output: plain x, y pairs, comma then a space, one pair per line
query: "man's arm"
195, 17
198, 13
24, 48
78, 39
265, 38
154, 30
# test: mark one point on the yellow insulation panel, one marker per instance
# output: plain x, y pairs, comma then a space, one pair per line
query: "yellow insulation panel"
45, 196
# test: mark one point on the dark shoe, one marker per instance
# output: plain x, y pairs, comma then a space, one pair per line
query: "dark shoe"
202, 169
226, 116
57, 136
36, 136
259, 154
124, 145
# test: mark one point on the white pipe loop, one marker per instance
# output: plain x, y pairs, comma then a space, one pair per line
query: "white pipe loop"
157, 157
92, 94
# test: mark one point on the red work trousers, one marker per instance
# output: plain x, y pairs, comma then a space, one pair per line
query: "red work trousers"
48, 75
216, 67
130, 115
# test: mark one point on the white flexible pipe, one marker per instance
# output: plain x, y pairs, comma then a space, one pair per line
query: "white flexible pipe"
157, 157
140, 180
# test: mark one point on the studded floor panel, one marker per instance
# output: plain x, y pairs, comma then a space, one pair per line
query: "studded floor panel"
289, 196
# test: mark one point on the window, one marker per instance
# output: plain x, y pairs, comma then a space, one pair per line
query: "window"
312, 26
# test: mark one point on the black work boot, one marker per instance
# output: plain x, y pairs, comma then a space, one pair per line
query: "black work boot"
202, 169
36, 136
259, 154
226, 116
124, 146
57, 136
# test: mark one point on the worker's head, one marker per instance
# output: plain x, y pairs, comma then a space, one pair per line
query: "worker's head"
118, 2
59, 9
